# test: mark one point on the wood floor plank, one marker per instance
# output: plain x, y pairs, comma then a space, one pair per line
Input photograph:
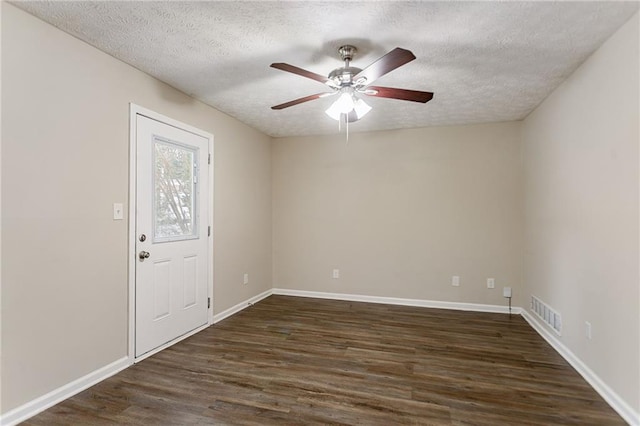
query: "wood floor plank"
289, 360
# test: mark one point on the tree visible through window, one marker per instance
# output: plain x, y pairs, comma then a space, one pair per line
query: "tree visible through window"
174, 190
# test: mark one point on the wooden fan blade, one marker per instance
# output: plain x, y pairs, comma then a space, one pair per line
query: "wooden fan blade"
389, 62
304, 73
301, 100
402, 94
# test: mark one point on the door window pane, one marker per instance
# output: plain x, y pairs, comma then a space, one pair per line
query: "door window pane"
174, 181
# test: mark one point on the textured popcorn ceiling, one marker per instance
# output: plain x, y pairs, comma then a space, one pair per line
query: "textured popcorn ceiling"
485, 61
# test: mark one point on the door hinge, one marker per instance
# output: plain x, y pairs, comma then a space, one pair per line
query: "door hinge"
209, 159
208, 231
208, 303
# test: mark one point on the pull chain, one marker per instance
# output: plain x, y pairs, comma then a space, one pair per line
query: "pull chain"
346, 119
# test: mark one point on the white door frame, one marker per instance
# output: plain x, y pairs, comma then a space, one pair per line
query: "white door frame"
134, 111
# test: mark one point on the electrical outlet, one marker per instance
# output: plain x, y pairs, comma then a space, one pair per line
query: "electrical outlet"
491, 283
245, 280
336, 274
455, 281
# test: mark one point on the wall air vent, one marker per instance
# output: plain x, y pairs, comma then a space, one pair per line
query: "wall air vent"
547, 314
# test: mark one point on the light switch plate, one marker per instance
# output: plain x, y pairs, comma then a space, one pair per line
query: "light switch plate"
118, 211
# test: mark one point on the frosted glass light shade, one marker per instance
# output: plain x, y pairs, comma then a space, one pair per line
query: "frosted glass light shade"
361, 108
334, 111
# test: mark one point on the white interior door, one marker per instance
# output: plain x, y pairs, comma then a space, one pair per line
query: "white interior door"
172, 202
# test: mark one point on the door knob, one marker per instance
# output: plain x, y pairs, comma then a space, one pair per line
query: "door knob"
144, 255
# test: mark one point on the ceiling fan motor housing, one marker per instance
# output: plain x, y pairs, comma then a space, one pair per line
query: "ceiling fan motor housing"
343, 76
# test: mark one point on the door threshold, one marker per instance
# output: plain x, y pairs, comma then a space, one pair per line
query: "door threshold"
170, 343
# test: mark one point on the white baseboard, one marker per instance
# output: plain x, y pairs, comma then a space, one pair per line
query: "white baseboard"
398, 301
31, 408
608, 394
240, 306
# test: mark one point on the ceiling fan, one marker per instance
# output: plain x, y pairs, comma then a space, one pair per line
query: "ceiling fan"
350, 82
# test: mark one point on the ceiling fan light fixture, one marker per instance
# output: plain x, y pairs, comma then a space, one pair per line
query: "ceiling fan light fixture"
346, 103
343, 105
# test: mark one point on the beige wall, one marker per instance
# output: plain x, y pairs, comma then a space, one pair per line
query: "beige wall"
400, 212
581, 186
65, 140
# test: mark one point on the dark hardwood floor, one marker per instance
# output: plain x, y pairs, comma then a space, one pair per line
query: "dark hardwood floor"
301, 361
